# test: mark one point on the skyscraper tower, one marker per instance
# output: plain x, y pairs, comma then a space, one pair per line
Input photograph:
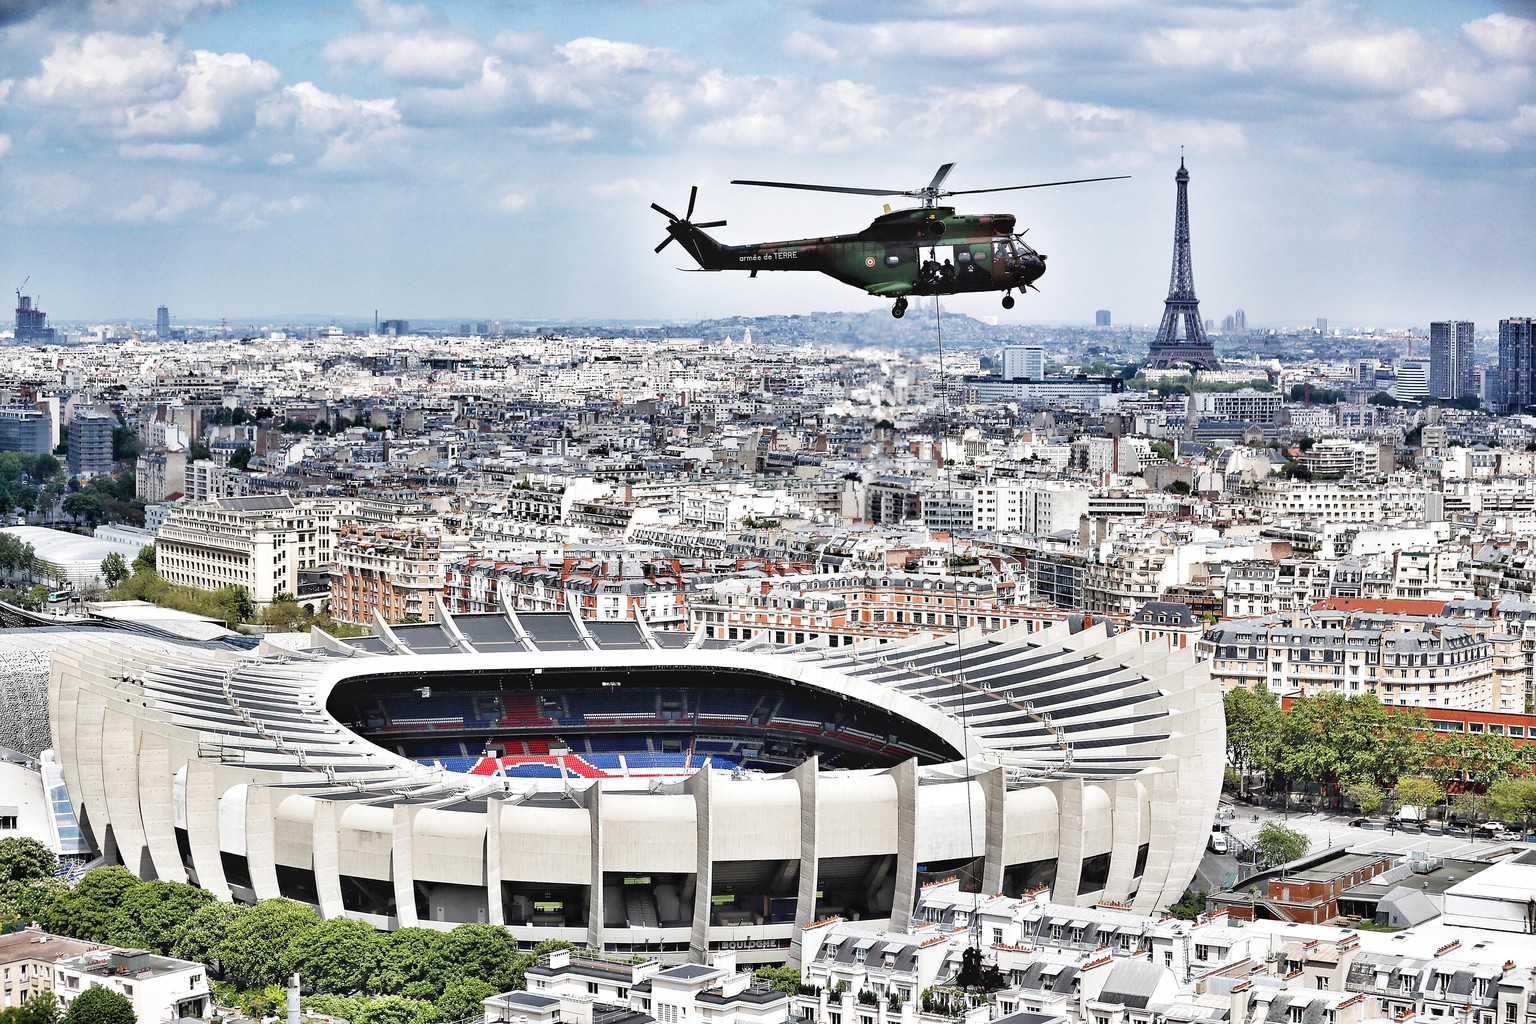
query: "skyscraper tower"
162, 323
1190, 346
1517, 364
1450, 359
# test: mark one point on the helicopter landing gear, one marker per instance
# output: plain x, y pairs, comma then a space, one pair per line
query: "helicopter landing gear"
900, 309
1007, 301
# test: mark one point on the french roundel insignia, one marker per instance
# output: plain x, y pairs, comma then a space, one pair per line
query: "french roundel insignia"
869, 261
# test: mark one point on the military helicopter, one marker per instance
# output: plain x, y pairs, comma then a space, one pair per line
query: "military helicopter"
930, 250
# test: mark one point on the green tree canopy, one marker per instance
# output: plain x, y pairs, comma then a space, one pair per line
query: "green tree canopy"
1364, 794
257, 946
151, 915
114, 569
145, 559
415, 964
488, 952
88, 912
340, 955
42, 1008
1277, 844
100, 1005
39, 899
1253, 729
1419, 791
1514, 800
202, 935
23, 859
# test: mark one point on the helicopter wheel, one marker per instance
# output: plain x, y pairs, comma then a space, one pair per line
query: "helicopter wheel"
900, 309
1007, 301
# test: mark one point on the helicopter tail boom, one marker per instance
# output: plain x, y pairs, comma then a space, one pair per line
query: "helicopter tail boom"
692, 237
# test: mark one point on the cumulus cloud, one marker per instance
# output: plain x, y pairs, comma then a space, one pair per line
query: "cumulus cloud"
414, 58
1504, 37
103, 69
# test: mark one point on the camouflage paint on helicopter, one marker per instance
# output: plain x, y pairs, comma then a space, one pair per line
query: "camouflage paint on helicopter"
931, 250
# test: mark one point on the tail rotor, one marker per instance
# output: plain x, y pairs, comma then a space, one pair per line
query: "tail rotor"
679, 226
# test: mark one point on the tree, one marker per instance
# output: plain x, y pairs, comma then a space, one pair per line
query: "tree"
100, 1005
88, 911
36, 900
145, 559
241, 459
1190, 905
1383, 399
42, 1008
785, 979
488, 952
114, 569
150, 915
1364, 794
1278, 844
23, 859
235, 604
256, 949
1514, 800
414, 964
200, 937
464, 998
1253, 729
339, 955
1419, 791
85, 507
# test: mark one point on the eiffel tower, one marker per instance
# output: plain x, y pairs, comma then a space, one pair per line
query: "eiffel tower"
1193, 349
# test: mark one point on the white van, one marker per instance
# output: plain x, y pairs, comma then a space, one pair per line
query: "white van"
1409, 815
1218, 843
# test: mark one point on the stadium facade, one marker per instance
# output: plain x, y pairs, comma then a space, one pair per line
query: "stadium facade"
645, 792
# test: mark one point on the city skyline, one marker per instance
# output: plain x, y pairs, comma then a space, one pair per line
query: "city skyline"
1355, 162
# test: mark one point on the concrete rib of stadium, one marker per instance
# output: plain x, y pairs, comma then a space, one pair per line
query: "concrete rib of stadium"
645, 791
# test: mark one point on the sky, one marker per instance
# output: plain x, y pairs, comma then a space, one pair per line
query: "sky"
1372, 163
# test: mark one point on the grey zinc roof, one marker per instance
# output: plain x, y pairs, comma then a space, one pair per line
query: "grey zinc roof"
1131, 983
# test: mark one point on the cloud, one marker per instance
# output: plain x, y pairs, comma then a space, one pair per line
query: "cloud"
103, 69
184, 152
514, 202
417, 58
121, 14
172, 203
247, 211
5, 145
1504, 37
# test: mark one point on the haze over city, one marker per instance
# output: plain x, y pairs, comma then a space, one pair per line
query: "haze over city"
1370, 163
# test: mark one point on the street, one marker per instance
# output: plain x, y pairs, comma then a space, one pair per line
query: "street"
1324, 830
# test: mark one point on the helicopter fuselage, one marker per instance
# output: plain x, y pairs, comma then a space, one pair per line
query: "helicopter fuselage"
927, 251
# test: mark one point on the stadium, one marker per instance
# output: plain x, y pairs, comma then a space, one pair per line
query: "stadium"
640, 791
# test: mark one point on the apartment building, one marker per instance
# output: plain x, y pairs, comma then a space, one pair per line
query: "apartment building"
838, 609
1414, 663
160, 988
396, 573
258, 542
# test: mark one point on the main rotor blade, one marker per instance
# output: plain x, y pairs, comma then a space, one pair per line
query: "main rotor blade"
825, 188
1042, 184
664, 243
664, 211
693, 195
711, 224
938, 179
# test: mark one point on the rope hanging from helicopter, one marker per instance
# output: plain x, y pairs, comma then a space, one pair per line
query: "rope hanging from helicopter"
947, 465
